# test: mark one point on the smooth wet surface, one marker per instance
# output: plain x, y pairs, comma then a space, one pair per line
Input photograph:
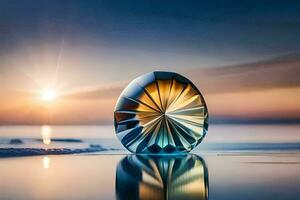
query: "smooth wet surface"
232, 162
212, 176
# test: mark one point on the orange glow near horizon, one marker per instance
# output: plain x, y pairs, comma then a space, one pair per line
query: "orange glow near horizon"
258, 104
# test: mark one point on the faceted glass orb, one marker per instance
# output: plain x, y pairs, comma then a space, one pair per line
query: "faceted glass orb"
161, 112
162, 177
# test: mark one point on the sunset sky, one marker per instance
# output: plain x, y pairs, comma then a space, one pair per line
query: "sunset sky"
66, 62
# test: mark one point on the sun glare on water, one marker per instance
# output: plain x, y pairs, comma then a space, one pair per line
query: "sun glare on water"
46, 132
46, 162
49, 95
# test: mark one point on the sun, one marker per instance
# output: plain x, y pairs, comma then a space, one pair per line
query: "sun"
49, 94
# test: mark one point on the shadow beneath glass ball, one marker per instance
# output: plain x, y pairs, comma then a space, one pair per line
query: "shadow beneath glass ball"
162, 177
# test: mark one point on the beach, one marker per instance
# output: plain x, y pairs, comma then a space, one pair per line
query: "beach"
233, 162
234, 176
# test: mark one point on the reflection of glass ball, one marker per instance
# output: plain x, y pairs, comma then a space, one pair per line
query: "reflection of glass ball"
162, 177
161, 112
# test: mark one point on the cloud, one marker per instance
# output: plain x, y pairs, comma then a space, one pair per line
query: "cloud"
262, 92
96, 92
276, 72
266, 91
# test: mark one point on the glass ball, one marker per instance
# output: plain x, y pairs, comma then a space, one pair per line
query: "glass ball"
160, 112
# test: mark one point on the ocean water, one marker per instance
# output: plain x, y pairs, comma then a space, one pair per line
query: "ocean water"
219, 138
232, 162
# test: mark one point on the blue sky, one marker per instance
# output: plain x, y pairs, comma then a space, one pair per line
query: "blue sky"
229, 31
98, 46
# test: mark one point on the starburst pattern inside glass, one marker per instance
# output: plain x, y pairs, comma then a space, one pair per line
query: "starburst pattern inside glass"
162, 177
161, 112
